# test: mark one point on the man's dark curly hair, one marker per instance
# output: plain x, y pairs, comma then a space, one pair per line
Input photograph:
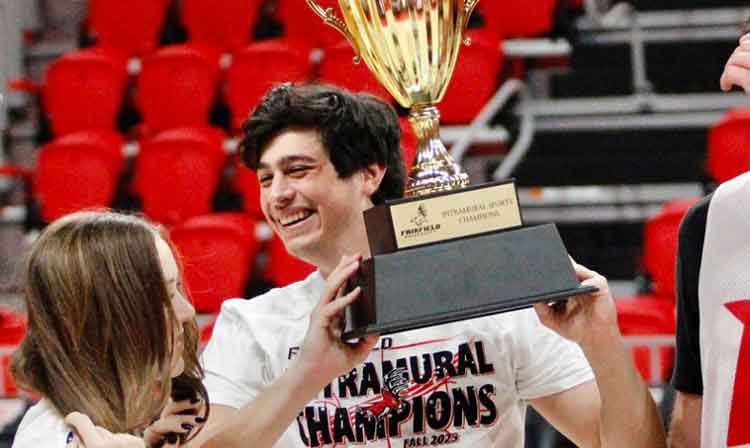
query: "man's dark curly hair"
356, 130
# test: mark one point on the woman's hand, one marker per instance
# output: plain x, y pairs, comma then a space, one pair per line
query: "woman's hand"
88, 435
323, 352
176, 418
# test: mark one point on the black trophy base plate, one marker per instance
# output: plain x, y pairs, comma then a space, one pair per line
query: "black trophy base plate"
444, 318
461, 279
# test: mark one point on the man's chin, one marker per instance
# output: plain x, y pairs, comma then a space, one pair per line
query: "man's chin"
303, 247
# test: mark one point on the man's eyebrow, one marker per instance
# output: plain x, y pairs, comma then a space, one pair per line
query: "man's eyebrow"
288, 160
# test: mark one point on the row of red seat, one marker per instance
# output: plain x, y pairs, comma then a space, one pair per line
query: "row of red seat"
177, 173
178, 84
134, 26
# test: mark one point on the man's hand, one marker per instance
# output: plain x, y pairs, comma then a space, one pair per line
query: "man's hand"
176, 418
586, 318
89, 435
323, 351
737, 70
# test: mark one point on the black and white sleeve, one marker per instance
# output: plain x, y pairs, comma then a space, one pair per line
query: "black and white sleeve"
687, 369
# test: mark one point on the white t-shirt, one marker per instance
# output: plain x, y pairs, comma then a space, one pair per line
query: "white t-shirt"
724, 303
42, 427
464, 383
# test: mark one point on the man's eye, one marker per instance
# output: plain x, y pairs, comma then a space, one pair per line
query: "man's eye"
264, 180
298, 170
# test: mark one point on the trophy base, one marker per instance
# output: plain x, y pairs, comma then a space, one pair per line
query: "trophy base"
485, 310
461, 279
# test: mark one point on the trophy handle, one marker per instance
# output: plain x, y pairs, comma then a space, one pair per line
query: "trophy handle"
469, 6
329, 17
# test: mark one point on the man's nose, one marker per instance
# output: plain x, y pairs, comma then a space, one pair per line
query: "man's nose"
281, 191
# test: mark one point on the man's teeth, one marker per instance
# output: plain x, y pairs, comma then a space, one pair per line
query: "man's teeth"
286, 220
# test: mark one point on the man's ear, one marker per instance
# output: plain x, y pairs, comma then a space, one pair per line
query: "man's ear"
372, 176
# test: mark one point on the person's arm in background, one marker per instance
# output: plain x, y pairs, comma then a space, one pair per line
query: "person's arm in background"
616, 410
323, 357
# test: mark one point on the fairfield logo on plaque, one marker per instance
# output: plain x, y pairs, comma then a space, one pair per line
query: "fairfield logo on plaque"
421, 224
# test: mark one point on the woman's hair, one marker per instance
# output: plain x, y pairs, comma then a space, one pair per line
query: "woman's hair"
100, 333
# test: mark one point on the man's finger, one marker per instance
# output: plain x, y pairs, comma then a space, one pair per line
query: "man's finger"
85, 429
582, 272
337, 279
337, 306
735, 76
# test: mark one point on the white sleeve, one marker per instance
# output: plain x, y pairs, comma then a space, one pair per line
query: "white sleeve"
546, 362
233, 360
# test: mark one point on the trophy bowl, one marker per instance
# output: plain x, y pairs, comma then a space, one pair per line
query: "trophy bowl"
411, 46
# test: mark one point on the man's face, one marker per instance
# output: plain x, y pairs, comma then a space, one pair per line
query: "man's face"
317, 214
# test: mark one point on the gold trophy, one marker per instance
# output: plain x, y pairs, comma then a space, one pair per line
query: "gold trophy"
446, 252
411, 46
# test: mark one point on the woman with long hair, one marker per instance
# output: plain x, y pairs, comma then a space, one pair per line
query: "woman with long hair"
112, 338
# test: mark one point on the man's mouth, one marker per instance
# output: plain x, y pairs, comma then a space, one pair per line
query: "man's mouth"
295, 218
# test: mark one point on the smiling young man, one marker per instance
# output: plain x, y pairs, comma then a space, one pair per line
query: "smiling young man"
323, 156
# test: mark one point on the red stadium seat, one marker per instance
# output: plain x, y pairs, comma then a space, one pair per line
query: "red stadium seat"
654, 313
247, 185
728, 141
647, 316
282, 60
227, 24
84, 90
299, 21
131, 26
217, 252
13, 327
517, 18
176, 87
660, 246
475, 79
177, 173
77, 171
12, 330
338, 68
284, 269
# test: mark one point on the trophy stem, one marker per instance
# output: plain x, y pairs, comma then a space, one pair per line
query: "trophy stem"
434, 169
